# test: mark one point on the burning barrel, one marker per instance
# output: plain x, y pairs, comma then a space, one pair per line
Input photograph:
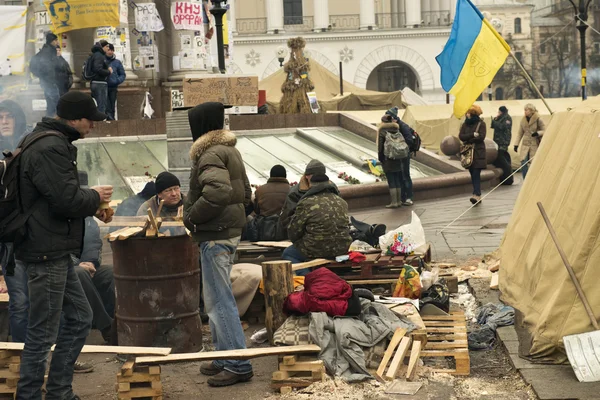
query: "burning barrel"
157, 285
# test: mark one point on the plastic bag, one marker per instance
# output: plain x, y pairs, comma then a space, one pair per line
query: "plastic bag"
409, 283
405, 239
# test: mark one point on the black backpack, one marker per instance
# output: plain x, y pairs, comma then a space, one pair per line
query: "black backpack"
416, 143
86, 72
12, 215
35, 65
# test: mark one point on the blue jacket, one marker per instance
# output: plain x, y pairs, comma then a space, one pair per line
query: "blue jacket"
118, 75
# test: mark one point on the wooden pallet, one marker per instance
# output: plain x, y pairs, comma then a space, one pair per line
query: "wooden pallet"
138, 382
10, 366
297, 372
447, 337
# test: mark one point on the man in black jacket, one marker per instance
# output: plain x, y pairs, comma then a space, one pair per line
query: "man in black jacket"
64, 75
100, 71
49, 185
48, 68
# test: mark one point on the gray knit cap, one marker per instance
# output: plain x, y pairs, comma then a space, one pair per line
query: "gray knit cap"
315, 167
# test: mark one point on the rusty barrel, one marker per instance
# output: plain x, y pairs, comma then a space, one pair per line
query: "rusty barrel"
157, 285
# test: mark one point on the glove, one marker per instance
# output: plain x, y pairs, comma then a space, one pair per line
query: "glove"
516, 149
535, 134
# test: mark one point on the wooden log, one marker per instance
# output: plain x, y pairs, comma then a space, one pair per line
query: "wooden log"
242, 354
278, 284
398, 335
412, 363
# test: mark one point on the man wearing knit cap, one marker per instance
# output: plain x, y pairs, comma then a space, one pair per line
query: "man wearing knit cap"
319, 226
49, 186
502, 126
314, 167
168, 190
270, 198
45, 65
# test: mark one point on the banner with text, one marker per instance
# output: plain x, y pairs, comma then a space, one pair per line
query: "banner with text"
187, 16
69, 15
12, 40
147, 18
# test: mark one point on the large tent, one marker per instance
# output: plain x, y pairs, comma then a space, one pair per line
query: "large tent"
565, 178
435, 122
327, 87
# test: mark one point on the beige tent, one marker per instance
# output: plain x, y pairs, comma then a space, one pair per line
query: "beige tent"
327, 87
435, 122
564, 176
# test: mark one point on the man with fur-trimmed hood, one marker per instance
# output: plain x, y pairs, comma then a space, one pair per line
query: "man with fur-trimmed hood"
214, 211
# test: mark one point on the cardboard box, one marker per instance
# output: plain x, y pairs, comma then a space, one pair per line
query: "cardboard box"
235, 90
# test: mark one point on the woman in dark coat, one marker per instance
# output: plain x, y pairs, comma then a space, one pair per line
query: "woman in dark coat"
473, 132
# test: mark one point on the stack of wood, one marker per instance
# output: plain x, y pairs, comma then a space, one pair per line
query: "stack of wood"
138, 382
10, 366
151, 227
399, 348
297, 372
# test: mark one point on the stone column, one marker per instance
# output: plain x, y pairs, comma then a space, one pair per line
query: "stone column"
321, 8
413, 13
425, 12
435, 16
367, 14
231, 16
452, 10
395, 16
445, 10
274, 16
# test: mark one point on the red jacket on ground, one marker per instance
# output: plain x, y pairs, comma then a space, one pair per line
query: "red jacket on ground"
324, 291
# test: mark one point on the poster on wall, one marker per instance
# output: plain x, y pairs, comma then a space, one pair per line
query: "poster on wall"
147, 18
176, 99
187, 16
119, 37
123, 12
146, 59
186, 42
79, 14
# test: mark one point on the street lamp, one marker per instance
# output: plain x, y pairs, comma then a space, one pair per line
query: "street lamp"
219, 11
581, 16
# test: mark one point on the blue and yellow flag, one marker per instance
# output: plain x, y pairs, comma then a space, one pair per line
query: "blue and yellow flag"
471, 58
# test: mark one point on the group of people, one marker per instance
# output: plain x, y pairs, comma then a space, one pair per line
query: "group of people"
103, 69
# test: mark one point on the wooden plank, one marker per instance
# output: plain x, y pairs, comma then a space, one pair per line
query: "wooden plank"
412, 363
137, 378
444, 353
141, 221
115, 235
158, 351
309, 264
495, 281
302, 366
458, 344
289, 360
242, 354
398, 358
398, 335
438, 338
280, 245
127, 368
447, 330
130, 232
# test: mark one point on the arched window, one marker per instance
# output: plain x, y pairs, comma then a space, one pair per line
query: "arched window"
499, 93
517, 25
519, 93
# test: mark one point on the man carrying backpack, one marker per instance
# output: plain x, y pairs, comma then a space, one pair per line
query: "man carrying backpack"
45, 65
406, 185
50, 193
98, 71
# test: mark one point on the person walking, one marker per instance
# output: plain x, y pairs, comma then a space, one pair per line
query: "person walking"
99, 71
472, 132
406, 192
530, 133
390, 141
214, 212
115, 79
502, 126
45, 66
49, 184
64, 75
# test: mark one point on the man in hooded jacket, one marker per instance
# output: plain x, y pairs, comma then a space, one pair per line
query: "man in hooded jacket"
100, 71
47, 69
214, 211
502, 126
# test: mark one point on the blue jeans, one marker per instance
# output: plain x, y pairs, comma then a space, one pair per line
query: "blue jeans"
111, 103
55, 288
18, 303
295, 256
476, 180
52, 94
526, 164
224, 320
100, 94
407, 185
394, 179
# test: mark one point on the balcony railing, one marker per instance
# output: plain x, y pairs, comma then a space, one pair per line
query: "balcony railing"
436, 18
250, 26
344, 22
299, 24
390, 20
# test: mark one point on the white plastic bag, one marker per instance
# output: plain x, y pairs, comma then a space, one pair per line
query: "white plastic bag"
405, 239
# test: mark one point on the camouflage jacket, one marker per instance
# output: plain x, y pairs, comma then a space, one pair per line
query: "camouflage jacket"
319, 227
502, 127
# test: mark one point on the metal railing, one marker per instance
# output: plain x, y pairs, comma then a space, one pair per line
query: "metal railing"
435, 18
390, 20
298, 24
249, 26
344, 22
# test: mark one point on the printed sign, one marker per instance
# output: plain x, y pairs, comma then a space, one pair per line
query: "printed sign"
314, 104
187, 16
123, 12
176, 99
68, 15
147, 18
42, 18
238, 90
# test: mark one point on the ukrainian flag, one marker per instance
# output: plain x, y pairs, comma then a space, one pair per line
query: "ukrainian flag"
471, 58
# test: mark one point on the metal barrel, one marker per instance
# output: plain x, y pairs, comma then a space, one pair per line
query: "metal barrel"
157, 285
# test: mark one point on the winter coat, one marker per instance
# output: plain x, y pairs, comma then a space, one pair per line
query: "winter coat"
324, 291
293, 197
92, 243
64, 76
319, 227
49, 182
118, 75
20, 130
390, 165
219, 188
527, 128
99, 66
502, 127
270, 198
49, 64
467, 135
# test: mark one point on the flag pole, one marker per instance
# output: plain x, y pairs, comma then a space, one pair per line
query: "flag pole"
531, 82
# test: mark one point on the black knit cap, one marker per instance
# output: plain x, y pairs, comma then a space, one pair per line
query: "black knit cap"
165, 180
278, 171
503, 110
50, 37
76, 105
318, 178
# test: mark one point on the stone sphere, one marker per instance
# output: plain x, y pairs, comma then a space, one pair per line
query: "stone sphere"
450, 146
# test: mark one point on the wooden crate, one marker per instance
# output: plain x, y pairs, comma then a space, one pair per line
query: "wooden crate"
138, 382
10, 366
297, 372
447, 337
